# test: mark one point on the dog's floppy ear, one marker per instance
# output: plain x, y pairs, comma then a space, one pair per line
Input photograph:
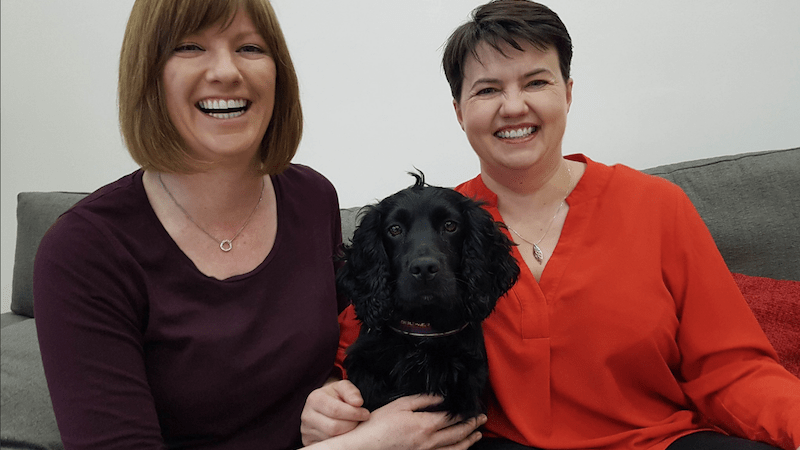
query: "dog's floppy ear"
364, 278
488, 267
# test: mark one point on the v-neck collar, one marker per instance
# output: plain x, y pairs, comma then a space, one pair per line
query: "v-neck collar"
581, 201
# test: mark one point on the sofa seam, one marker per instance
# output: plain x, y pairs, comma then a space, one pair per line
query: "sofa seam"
716, 161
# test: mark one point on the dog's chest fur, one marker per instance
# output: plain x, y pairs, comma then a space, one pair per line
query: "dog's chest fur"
388, 365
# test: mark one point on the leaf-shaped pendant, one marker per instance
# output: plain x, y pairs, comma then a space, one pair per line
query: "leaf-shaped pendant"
537, 253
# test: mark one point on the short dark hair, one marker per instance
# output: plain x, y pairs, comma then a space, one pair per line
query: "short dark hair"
153, 30
505, 21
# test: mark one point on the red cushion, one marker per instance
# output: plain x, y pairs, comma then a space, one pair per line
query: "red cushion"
776, 305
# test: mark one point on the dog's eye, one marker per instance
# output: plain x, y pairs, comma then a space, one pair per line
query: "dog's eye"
450, 226
395, 230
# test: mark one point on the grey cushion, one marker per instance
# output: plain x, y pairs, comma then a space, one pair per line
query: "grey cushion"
27, 414
9, 318
350, 218
751, 204
36, 212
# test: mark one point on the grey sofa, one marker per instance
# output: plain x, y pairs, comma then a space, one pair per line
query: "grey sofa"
750, 202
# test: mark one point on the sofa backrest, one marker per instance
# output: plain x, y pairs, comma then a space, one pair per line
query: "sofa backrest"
36, 212
750, 202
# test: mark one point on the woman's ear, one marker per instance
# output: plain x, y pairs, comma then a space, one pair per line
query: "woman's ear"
459, 116
569, 93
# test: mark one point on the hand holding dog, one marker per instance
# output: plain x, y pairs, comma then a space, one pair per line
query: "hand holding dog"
328, 414
332, 410
398, 425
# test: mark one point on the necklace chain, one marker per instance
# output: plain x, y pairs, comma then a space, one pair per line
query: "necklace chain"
537, 251
225, 245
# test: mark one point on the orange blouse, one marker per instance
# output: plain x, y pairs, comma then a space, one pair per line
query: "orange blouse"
636, 333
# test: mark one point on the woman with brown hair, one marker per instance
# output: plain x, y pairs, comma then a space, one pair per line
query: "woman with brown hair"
191, 304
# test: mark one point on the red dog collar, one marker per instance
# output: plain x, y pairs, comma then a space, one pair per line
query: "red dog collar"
417, 329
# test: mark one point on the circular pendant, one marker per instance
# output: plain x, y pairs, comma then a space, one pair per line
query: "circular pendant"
226, 245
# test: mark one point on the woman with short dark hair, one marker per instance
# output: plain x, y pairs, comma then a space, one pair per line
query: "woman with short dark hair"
625, 329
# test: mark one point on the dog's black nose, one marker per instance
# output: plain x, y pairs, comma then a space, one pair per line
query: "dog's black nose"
424, 269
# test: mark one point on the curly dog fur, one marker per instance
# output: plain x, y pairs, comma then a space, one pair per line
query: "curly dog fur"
426, 266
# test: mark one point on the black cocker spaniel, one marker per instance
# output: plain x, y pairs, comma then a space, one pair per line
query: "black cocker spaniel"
426, 266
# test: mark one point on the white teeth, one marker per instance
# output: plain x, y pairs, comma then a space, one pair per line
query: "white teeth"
226, 115
515, 134
232, 108
222, 104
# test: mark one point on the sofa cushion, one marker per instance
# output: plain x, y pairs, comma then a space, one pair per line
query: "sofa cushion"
28, 418
350, 219
36, 212
750, 203
776, 305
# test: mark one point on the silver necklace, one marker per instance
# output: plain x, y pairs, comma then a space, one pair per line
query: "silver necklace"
225, 245
537, 252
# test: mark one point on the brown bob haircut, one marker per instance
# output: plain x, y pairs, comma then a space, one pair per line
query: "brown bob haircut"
505, 21
154, 29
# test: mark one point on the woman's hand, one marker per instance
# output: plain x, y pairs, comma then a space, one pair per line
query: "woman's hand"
334, 419
332, 410
398, 425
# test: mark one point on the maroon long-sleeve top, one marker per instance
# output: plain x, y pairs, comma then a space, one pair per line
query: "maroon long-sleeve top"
143, 351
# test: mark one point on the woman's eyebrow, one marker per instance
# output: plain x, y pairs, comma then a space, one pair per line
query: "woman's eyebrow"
532, 73
538, 71
486, 81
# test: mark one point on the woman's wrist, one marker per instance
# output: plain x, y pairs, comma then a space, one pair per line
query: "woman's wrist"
342, 442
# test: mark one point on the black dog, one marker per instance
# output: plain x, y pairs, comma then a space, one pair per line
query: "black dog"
425, 267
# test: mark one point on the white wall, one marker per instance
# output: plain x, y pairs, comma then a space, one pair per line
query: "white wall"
655, 82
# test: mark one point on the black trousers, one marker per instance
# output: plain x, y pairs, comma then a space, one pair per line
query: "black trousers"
702, 440
499, 444
708, 440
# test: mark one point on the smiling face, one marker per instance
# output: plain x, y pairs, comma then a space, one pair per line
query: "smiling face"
513, 107
219, 88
